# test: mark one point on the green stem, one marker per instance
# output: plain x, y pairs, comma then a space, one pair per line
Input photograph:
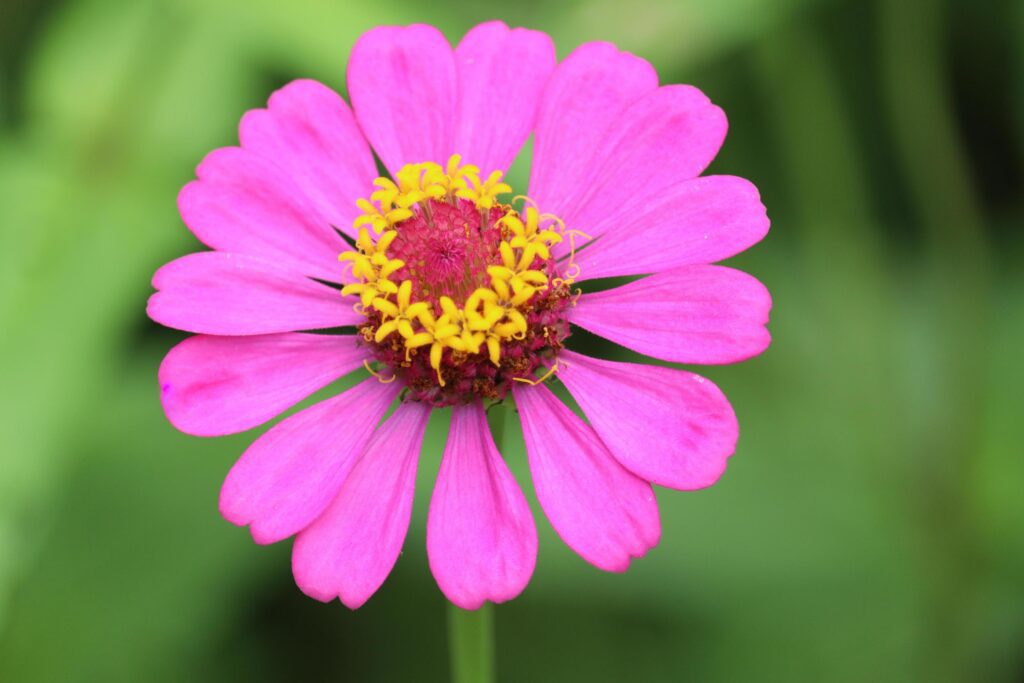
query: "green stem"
471, 644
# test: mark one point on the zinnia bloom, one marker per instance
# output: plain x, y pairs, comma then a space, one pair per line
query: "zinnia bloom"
458, 300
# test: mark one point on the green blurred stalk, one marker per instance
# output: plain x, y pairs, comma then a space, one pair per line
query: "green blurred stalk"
471, 644
833, 219
912, 36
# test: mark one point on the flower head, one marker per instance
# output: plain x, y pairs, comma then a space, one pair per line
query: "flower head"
461, 295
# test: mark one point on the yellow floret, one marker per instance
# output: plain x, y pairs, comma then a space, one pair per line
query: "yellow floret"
484, 193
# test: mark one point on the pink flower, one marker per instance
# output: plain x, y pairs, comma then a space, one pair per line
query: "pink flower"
460, 300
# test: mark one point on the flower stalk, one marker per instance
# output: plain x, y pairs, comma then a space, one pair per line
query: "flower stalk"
471, 644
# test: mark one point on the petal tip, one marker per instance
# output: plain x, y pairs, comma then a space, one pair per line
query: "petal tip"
263, 536
307, 584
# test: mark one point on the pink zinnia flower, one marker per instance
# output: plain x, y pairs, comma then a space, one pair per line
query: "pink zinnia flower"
461, 300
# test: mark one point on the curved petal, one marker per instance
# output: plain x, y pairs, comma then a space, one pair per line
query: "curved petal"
308, 130
501, 75
402, 83
583, 97
599, 508
350, 549
288, 476
695, 314
481, 540
211, 386
699, 221
214, 292
669, 427
668, 136
246, 204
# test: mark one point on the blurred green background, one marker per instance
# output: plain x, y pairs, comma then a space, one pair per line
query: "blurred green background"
871, 525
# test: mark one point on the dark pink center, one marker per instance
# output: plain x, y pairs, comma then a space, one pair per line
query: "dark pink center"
446, 249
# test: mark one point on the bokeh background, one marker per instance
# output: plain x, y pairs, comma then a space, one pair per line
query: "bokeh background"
871, 525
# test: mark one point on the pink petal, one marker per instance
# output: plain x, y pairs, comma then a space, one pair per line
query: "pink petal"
211, 386
669, 427
214, 292
694, 314
289, 475
698, 221
668, 136
308, 130
501, 75
350, 549
402, 83
481, 540
246, 204
583, 97
600, 509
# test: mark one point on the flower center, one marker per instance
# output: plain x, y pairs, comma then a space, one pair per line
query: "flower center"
461, 294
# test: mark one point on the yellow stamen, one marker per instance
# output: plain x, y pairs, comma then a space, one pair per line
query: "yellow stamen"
380, 378
534, 382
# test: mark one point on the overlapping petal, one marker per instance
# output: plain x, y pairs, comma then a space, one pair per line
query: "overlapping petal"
481, 539
600, 509
670, 427
666, 137
695, 314
288, 476
584, 96
211, 386
246, 204
501, 75
351, 548
698, 221
403, 85
215, 292
309, 132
